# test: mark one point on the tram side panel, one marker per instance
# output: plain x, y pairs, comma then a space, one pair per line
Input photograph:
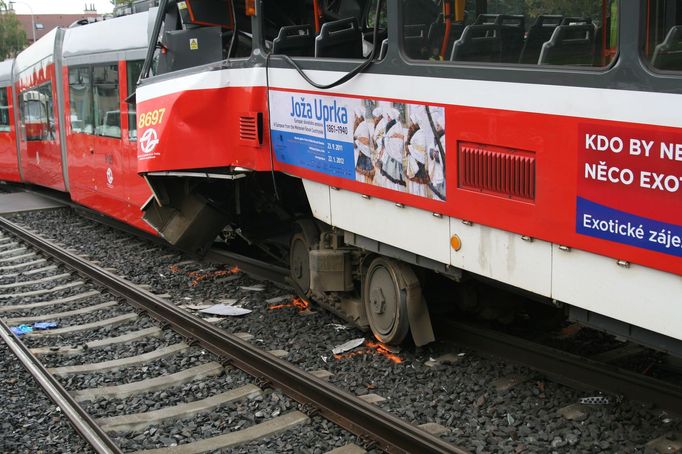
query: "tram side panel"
520, 188
9, 166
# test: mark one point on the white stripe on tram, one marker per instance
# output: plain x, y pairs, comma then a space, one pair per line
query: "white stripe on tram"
595, 103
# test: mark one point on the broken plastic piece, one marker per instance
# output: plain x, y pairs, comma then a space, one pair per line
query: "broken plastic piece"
348, 346
21, 329
223, 309
196, 307
45, 325
595, 400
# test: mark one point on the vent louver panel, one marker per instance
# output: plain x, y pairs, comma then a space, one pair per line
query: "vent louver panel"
251, 127
498, 171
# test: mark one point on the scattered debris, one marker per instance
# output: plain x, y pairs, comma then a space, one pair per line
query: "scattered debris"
339, 327
278, 299
225, 310
296, 302
253, 288
45, 325
25, 329
447, 359
348, 346
229, 301
595, 400
195, 307
21, 329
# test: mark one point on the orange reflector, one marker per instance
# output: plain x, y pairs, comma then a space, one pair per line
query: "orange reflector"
250, 7
455, 243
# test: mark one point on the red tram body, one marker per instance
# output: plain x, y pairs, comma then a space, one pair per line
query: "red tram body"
561, 147
372, 144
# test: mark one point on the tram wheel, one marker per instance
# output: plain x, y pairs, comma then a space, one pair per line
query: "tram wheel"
299, 261
385, 298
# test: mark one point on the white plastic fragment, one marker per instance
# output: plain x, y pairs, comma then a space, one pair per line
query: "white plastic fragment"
228, 301
253, 288
222, 309
338, 327
278, 299
195, 307
348, 346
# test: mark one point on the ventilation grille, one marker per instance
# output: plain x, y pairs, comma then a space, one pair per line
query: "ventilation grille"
499, 171
251, 128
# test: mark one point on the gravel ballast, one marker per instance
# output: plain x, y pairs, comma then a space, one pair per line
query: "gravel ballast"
30, 421
461, 395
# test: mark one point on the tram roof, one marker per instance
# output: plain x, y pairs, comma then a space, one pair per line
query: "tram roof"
122, 34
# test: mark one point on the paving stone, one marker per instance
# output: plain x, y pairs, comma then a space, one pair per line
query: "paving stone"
504, 384
372, 398
433, 428
574, 412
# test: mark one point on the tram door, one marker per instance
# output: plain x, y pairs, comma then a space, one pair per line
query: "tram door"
41, 151
8, 148
95, 146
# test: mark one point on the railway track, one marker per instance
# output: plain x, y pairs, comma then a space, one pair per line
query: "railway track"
489, 342
90, 301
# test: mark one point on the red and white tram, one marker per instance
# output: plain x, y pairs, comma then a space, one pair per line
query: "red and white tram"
536, 145
64, 120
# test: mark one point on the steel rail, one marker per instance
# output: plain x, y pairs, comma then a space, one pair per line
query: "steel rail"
563, 367
386, 431
82, 421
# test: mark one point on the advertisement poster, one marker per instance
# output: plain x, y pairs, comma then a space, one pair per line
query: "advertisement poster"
397, 146
630, 187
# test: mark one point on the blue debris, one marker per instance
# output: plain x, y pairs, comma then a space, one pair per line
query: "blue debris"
45, 325
21, 329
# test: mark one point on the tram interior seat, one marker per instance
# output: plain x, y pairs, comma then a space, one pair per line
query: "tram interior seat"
512, 31
415, 40
569, 45
539, 33
339, 39
479, 42
437, 33
384, 49
668, 54
295, 41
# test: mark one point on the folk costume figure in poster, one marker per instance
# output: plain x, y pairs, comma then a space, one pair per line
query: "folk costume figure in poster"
417, 176
362, 141
391, 160
436, 152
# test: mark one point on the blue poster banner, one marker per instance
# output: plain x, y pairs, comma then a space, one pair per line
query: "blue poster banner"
599, 221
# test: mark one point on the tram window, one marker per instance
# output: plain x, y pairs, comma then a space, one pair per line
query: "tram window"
4, 110
541, 32
323, 28
662, 45
134, 70
106, 100
80, 99
37, 113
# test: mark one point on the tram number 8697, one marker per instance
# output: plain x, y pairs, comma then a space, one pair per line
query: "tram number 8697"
152, 118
